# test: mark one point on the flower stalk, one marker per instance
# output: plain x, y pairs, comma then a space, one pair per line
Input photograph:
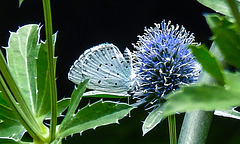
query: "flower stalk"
51, 71
172, 129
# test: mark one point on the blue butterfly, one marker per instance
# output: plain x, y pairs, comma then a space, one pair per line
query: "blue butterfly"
108, 69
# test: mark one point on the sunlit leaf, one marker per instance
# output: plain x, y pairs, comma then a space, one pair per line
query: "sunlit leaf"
201, 97
94, 115
22, 51
227, 38
220, 6
208, 62
91, 116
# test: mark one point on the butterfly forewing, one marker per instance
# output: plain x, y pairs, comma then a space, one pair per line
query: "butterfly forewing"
107, 68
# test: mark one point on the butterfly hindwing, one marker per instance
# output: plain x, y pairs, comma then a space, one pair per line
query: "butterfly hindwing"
106, 67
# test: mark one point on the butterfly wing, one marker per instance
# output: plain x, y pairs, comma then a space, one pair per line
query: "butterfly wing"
107, 68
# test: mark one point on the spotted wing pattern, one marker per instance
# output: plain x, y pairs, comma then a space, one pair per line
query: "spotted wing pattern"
108, 69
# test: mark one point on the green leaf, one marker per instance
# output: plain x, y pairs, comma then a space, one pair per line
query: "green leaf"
2, 101
220, 6
61, 107
43, 102
22, 51
154, 118
208, 62
95, 115
10, 126
105, 94
76, 97
200, 97
231, 113
12, 141
5, 110
226, 37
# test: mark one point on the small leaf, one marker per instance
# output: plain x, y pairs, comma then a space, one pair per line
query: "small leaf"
220, 6
43, 102
95, 115
208, 62
200, 97
154, 118
226, 37
104, 94
231, 113
233, 84
76, 97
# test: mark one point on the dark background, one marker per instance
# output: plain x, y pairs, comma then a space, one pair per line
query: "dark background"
82, 24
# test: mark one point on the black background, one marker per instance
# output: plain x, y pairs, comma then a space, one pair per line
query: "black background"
82, 24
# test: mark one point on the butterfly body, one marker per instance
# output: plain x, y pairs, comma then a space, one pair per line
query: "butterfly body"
108, 69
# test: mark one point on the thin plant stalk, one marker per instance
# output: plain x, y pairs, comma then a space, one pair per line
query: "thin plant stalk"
51, 70
172, 129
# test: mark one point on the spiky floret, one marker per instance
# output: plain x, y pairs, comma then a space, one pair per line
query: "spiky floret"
163, 61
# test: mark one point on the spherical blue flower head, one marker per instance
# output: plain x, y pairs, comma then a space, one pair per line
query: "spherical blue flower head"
163, 61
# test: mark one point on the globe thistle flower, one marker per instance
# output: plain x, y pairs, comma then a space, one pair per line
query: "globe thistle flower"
163, 62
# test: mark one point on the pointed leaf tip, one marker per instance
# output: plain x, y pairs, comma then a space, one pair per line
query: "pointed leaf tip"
152, 120
20, 3
208, 62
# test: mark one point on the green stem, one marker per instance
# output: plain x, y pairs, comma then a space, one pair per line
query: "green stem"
172, 129
195, 127
51, 72
235, 12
